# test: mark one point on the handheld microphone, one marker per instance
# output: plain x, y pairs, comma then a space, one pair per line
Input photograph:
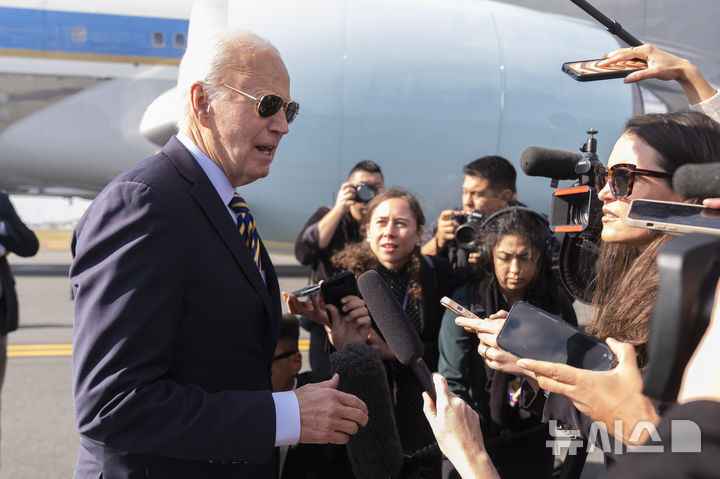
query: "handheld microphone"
395, 327
557, 164
697, 180
375, 450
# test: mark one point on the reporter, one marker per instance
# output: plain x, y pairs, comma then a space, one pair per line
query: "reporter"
651, 148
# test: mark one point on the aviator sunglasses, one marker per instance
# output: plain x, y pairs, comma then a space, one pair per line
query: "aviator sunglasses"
622, 177
267, 105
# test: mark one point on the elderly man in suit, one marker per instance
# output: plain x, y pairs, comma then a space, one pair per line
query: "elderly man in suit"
16, 238
177, 309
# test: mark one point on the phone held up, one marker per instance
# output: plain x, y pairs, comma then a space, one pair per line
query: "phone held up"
588, 70
530, 332
332, 289
673, 218
457, 308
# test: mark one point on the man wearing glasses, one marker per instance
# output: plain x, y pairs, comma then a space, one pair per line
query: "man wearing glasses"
489, 186
177, 304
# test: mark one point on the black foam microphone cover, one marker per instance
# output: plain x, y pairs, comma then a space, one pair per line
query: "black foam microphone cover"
375, 451
559, 164
395, 326
697, 180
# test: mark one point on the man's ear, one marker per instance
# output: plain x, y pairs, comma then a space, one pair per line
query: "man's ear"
200, 104
506, 195
296, 363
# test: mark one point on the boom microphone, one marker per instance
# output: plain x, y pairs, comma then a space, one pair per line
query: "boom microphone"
395, 327
557, 164
375, 450
697, 180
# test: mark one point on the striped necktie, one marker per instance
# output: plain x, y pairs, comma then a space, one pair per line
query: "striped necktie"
246, 226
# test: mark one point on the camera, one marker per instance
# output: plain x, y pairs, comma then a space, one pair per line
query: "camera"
689, 268
467, 235
364, 192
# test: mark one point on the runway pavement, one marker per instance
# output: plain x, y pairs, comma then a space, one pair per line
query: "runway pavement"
39, 439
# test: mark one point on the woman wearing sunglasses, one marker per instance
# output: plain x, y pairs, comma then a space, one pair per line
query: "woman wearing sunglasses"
641, 165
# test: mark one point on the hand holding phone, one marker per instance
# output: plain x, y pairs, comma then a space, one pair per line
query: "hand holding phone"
335, 288
530, 332
457, 308
588, 70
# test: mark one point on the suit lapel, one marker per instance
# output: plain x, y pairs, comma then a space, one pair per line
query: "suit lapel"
217, 213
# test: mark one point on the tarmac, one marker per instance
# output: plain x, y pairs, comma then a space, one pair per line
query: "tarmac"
39, 439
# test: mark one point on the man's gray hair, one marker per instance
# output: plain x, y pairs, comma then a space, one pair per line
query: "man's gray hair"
209, 60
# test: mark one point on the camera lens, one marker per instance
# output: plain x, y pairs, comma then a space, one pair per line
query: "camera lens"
364, 192
580, 213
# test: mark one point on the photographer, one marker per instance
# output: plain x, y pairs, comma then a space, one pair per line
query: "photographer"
514, 265
328, 230
489, 186
651, 148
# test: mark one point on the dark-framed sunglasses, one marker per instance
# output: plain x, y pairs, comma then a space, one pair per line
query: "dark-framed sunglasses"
284, 355
268, 105
622, 177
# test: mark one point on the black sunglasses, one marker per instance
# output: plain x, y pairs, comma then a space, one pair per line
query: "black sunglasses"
284, 355
622, 177
268, 105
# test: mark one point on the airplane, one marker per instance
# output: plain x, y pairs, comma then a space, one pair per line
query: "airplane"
419, 86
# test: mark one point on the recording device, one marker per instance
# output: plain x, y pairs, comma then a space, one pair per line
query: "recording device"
364, 192
589, 70
457, 308
395, 327
375, 450
467, 235
689, 268
332, 289
673, 218
530, 332
697, 180
575, 211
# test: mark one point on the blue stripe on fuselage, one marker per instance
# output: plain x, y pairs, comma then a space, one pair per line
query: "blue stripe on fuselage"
47, 30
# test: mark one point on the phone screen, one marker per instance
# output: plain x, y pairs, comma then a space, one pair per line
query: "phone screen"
587, 70
530, 332
679, 217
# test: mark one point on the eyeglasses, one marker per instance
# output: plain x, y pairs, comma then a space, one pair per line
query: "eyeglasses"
267, 105
622, 177
284, 355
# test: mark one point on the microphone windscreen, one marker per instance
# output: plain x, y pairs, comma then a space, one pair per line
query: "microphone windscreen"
390, 318
559, 164
375, 450
697, 180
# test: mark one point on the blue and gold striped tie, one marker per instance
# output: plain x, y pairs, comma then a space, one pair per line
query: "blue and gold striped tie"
246, 226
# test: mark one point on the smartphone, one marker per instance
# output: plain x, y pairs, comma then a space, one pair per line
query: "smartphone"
530, 332
337, 287
674, 218
307, 290
457, 308
588, 70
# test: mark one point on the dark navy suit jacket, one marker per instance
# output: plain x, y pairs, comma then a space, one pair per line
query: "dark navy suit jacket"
175, 331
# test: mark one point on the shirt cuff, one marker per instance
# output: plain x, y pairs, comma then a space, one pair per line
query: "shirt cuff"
287, 418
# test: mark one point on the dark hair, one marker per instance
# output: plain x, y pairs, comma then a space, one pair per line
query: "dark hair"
367, 166
358, 257
627, 282
289, 331
498, 171
521, 223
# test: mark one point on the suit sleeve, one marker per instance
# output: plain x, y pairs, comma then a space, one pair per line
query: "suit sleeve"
18, 238
128, 276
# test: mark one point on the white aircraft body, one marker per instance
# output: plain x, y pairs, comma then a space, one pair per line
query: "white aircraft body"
419, 86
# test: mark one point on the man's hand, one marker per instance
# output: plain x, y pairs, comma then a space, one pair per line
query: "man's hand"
328, 415
345, 197
350, 326
446, 228
601, 395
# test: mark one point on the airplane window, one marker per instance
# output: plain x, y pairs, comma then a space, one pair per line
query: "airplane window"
158, 39
179, 40
79, 34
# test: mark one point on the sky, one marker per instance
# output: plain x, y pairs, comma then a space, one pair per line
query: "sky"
37, 210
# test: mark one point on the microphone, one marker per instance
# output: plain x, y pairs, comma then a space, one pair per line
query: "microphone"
395, 327
556, 164
697, 180
375, 450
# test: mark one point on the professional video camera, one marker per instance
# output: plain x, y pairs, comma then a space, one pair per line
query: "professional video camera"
575, 211
467, 234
